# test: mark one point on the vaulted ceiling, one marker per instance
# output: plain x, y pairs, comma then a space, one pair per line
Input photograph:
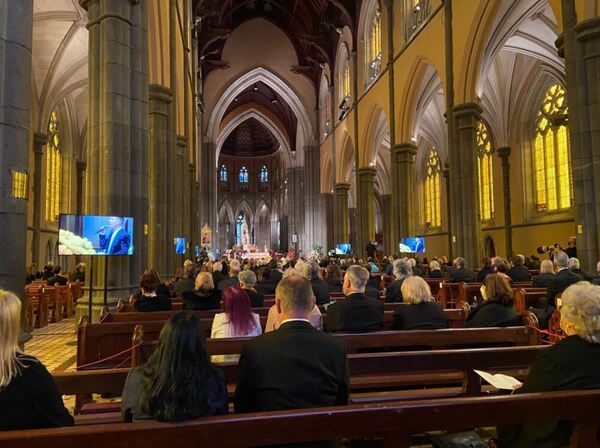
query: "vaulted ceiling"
310, 25
250, 139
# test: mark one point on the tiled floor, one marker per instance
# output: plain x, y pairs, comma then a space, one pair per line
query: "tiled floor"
55, 345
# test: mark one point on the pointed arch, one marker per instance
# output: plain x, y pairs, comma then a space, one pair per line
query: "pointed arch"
377, 129
226, 211
346, 159
248, 214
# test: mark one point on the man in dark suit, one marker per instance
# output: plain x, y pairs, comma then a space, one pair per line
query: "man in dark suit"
265, 284
188, 282
57, 278
234, 270
357, 312
295, 366
118, 240
276, 274
519, 273
563, 278
459, 273
575, 266
319, 286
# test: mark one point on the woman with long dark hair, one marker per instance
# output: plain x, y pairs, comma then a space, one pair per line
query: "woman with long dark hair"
237, 320
178, 382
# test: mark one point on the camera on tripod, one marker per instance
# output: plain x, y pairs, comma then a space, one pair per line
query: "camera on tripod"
548, 248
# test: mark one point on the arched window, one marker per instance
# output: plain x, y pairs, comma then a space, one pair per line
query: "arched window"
416, 13
325, 108
485, 173
343, 74
244, 174
239, 225
373, 43
345, 93
552, 164
53, 169
223, 173
431, 203
264, 175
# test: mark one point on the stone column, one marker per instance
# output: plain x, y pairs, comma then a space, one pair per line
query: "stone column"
341, 231
504, 154
39, 141
296, 209
207, 197
446, 176
463, 183
366, 207
117, 132
404, 160
160, 99
178, 209
329, 200
388, 233
81, 167
353, 238
16, 18
315, 230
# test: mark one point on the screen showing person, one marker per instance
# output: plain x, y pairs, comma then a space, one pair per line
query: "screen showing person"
95, 235
343, 249
412, 245
180, 245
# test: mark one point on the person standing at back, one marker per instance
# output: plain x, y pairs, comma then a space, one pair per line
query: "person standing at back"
295, 366
357, 312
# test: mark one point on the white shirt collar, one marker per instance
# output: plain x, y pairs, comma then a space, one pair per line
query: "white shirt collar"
294, 320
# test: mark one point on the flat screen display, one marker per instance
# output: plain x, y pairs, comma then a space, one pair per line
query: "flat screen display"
343, 249
95, 235
179, 245
412, 245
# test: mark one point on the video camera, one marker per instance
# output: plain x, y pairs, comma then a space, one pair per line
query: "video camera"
548, 248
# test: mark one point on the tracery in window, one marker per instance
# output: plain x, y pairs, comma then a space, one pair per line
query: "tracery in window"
53, 169
373, 45
264, 175
244, 175
431, 204
552, 163
223, 173
485, 173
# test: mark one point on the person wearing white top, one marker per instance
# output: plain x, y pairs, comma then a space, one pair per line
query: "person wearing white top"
222, 327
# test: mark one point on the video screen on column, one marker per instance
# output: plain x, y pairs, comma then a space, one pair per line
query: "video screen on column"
343, 249
412, 245
95, 235
179, 245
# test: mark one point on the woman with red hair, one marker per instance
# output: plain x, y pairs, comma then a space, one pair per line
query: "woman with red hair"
237, 320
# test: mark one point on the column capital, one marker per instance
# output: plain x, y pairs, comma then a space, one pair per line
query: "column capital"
367, 172
161, 93
588, 29
182, 140
503, 153
466, 109
405, 149
39, 139
341, 187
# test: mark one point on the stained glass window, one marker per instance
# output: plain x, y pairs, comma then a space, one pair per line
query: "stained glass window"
431, 203
20, 183
223, 173
552, 163
53, 169
485, 173
344, 81
244, 175
373, 46
264, 175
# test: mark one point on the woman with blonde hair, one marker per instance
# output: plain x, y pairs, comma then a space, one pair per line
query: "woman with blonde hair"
421, 311
543, 279
28, 396
205, 296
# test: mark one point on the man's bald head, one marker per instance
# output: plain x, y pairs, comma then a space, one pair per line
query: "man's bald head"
295, 296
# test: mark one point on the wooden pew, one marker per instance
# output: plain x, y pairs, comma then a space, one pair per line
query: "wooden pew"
133, 316
394, 423
525, 298
55, 302
37, 312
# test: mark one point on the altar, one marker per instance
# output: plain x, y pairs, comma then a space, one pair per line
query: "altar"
247, 251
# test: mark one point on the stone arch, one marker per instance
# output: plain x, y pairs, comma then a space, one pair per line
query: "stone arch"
346, 160
377, 129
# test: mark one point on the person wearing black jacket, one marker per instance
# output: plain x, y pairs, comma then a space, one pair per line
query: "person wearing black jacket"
485, 270
319, 286
570, 364
458, 273
563, 279
357, 312
57, 278
542, 280
421, 311
247, 280
497, 308
295, 366
265, 284
393, 292
205, 296
150, 298
519, 273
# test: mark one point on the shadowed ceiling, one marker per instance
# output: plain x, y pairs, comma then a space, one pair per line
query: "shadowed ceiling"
250, 139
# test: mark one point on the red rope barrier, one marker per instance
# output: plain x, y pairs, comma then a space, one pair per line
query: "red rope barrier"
130, 349
554, 336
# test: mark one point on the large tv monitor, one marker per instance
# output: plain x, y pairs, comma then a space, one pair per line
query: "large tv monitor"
343, 249
412, 245
95, 235
179, 245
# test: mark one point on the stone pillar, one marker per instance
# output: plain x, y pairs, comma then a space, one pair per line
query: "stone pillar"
446, 176
296, 209
39, 141
315, 230
117, 132
16, 18
388, 233
353, 238
463, 183
81, 167
179, 208
366, 208
160, 98
207, 197
404, 160
341, 231
329, 200
504, 154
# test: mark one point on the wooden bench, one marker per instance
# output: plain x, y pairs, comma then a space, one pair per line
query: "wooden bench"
37, 308
525, 298
393, 422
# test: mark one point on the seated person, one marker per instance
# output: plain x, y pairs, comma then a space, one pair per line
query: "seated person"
217, 272
542, 280
334, 278
31, 273
150, 298
57, 278
422, 311
78, 273
320, 288
296, 366
402, 271
497, 308
563, 278
572, 363
186, 283
459, 273
48, 271
232, 279
205, 296
435, 271
575, 266
178, 382
485, 269
519, 272
29, 398
357, 312
237, 320
265, 284
247, 280
161, 289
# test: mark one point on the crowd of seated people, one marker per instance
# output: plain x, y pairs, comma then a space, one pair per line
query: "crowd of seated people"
172, 387
53, 274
